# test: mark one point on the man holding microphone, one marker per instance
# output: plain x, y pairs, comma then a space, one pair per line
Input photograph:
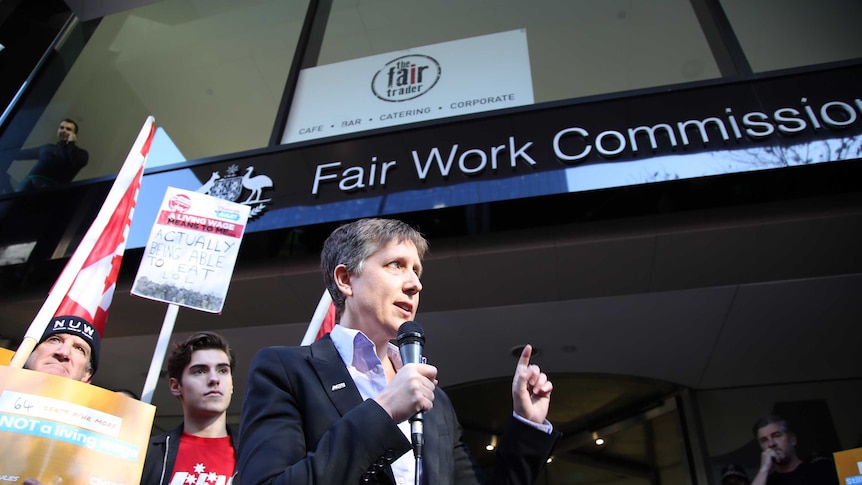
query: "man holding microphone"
337, 411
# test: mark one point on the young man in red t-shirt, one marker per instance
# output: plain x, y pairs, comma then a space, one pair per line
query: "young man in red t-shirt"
201, 449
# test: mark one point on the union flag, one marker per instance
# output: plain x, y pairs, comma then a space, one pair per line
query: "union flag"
86, 285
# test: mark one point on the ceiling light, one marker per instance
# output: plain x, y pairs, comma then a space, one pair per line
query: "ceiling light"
492, 445
550, 459
516, 351
599, 441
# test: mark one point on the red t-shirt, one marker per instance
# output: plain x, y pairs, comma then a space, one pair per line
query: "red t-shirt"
204, 461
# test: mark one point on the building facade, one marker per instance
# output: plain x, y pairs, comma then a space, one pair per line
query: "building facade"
663, 197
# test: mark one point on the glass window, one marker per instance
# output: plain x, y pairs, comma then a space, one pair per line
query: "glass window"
574, 48
781, 34
822, 415
212, 73
617, 430
577, 47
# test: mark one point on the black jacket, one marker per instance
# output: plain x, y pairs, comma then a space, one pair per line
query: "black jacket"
162, 454
304, 422
56, 164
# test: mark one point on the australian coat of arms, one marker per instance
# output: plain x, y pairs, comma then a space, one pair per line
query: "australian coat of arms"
231, 187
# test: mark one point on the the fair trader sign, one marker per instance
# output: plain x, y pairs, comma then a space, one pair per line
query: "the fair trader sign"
192, 249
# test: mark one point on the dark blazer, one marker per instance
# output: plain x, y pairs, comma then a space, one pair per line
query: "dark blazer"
304, 422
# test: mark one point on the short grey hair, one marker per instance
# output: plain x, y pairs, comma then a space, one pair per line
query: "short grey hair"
351, 244
771, 419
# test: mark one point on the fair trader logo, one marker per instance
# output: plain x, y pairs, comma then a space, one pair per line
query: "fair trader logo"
406, 78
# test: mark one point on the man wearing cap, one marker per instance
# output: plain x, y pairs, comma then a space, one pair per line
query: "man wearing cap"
68, 348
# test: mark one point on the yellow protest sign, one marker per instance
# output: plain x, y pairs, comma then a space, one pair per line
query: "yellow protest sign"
58, 430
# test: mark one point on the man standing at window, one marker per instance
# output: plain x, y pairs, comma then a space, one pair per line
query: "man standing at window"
58, 163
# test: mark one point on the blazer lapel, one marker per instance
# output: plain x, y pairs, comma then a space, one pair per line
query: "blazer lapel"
433, 429
336, 381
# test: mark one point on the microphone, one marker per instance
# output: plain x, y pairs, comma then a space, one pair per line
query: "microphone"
411, 340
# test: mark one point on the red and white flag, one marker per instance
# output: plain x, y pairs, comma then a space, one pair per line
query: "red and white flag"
328, 322
102, 265
86, 285
322, 321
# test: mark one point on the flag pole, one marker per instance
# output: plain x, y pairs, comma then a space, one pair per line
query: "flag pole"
24, 350
159, 354
67, 276
132, 169
317, 318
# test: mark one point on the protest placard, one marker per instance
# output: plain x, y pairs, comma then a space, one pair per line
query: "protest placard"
59, 430
192, 249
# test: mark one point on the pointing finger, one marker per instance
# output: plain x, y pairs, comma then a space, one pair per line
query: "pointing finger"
524, 361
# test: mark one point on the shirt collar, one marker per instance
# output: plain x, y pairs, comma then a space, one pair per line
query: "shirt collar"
352, 344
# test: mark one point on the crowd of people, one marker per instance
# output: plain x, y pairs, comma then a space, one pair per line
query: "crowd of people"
336, 411
340, 410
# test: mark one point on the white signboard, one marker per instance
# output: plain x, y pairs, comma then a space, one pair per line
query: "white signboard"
437, 81
192, 249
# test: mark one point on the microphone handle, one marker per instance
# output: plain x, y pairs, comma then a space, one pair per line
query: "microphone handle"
417, 438
411, 353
